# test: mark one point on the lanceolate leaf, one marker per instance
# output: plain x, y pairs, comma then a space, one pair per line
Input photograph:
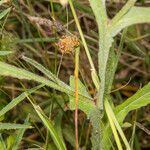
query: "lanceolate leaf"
47, 122
135, 15
19, 136
46, 72
140, 99
4, 53
85, 103
18, 99
9, 126
123, 11
4, 13
9, 70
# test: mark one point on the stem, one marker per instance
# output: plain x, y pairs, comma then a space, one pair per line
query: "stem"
59, 65
82, 38
76, 72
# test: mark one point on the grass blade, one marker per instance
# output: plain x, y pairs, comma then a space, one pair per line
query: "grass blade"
46, 72
2, 143
112, 125
19, 136
18, 99
4, 13
140, 99
4, 53
10, 126
46, 121
114, 120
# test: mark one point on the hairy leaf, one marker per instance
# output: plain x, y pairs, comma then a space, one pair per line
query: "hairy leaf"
18, 99
140, 99
135, 15
9, 126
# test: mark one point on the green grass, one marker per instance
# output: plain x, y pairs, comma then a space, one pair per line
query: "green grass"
107, 81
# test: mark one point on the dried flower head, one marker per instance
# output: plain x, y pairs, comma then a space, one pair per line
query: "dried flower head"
67, 44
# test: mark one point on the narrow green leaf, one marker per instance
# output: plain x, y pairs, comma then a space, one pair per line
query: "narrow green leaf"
49, 74
111, 114
99, 9
4, 53
140, 99
57, 140
4, 13
18, 99
135, 15
19, 136
46, 72
85, 103
9, 126
123, 11
9, 70
2, 143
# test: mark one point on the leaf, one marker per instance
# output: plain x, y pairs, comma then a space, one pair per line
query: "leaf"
82, 90
135, 15
104, 51
4, 13
46, 121
85, 103
10, 70
2, 143
46, 72
113, 62
9, 126
140, 99
69, 135
123, 11
41, 68
19, 136
3, 53
18, 99
99, 9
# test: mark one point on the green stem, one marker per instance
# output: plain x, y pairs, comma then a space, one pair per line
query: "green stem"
115, 122
82, 38
112, 125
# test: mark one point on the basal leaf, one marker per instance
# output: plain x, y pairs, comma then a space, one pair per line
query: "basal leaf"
10, 70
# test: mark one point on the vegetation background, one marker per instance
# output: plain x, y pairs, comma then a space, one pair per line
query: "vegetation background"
32, 28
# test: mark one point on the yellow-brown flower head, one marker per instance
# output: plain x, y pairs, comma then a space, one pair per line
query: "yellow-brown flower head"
67, 44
